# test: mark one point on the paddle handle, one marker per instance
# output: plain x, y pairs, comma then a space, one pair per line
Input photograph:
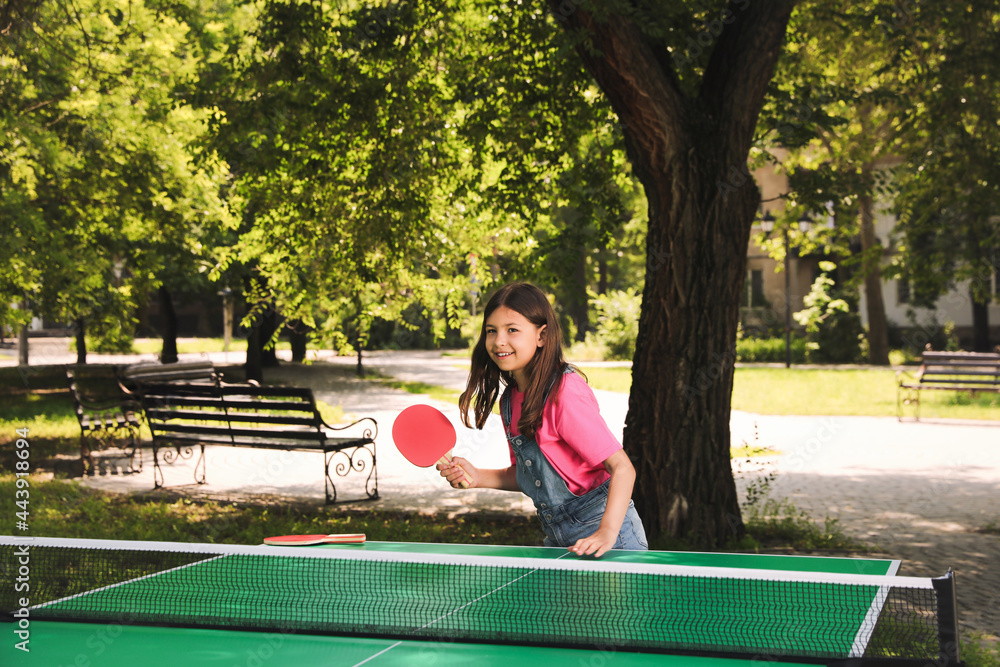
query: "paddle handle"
310, 540
446, 460
345, 538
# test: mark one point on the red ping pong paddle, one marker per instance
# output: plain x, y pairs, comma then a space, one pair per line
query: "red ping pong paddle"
307, 540
425, 437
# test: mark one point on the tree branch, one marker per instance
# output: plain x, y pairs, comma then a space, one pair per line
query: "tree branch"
642, 88
742, 64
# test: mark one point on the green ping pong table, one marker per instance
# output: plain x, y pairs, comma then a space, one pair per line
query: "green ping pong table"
122, 641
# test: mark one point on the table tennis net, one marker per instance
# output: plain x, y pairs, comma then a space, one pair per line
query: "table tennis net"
606, 605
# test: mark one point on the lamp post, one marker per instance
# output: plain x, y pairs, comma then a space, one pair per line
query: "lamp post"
767, 226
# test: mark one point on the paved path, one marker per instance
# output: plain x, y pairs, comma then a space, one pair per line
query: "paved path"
927, 493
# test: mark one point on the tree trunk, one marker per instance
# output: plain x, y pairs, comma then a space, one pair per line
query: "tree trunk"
81, 340
22, 346
228, 308
980, 323
871, 250
578, 306
254, 366
268, 327
690, 152
682, 373
168, 354
298, 339
602, 272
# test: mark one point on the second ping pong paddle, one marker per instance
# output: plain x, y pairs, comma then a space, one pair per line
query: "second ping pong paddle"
308, 540
424, 436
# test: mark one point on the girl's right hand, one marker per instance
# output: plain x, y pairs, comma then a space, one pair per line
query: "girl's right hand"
459, 470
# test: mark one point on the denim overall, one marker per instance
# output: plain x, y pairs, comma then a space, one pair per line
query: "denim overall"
565, 517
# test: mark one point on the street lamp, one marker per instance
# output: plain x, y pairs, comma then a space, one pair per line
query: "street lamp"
767, 226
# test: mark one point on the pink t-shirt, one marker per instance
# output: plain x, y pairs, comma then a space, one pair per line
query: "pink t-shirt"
573, 435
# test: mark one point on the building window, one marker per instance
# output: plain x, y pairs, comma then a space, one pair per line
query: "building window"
753, 297
902, 292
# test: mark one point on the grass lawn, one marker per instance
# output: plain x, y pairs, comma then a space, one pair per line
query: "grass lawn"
190, 345
432, 390
795, 391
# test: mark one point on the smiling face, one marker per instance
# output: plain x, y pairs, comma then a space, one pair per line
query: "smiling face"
511, 342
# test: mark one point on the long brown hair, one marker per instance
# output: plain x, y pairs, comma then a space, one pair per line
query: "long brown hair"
546, 366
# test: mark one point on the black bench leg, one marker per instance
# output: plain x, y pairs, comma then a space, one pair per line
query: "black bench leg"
360, 459
134, 452
371, 484
907, 396
157, 471
170, 454
86, 456
329, 486
199, 466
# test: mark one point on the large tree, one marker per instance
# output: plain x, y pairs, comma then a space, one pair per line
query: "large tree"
688, 99
949, 188
106, 182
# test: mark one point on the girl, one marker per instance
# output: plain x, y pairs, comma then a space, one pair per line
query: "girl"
563, 456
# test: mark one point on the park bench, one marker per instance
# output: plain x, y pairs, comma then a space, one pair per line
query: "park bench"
948, 371
110, 413
183, 371
184, 417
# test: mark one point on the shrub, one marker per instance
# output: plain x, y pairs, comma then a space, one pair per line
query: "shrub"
833, 327
750, 350
617, 323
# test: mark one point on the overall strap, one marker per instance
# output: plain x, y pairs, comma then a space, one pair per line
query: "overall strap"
505, 410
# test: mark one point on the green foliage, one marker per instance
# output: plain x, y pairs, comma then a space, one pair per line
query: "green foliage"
917, 82
918, 333
392, 161
778, 523
345, 142
617, 323
949, 185
979, 651
108, 179
760, 350
833, 328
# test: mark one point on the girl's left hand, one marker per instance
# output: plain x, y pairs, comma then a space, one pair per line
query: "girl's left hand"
597, 544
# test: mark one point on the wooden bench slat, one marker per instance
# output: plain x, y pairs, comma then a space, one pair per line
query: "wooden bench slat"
164, 400
181, 369
211, 430
269, 405
266, 390
188, 391
959, 380
195, 415
964, 370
